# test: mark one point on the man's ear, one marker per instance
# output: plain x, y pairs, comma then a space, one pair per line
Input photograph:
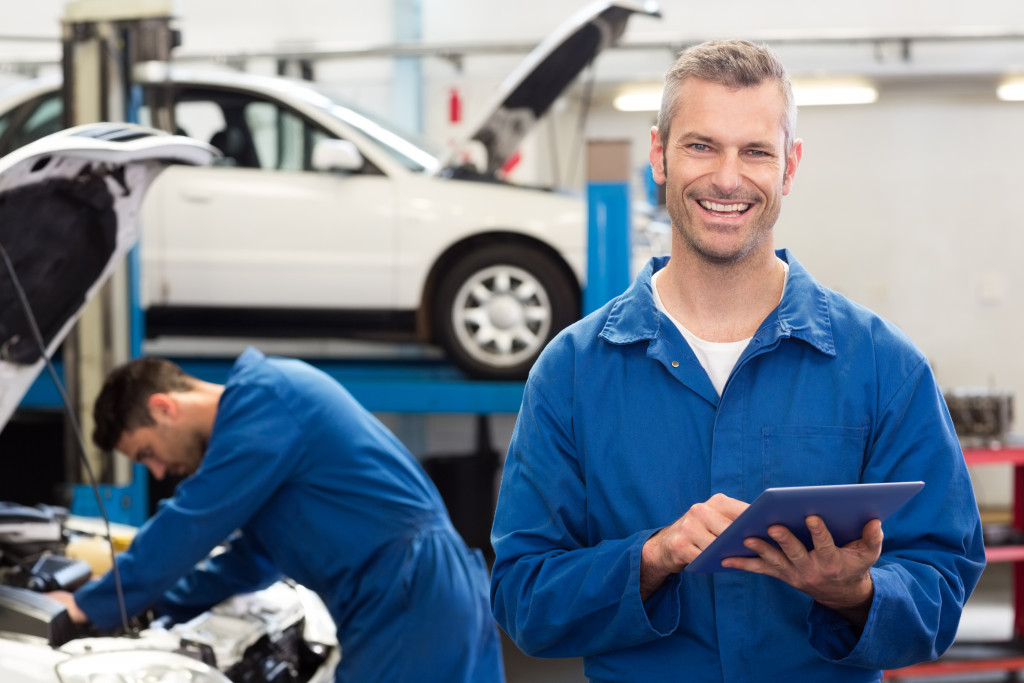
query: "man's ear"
162, 406
657, 156
796, 153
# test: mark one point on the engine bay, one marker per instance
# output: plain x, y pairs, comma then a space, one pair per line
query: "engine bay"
261, 637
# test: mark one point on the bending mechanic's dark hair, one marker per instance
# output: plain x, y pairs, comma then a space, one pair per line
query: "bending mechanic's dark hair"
122, 405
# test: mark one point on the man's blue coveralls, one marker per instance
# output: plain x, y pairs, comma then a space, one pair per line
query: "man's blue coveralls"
621, 431
324, 494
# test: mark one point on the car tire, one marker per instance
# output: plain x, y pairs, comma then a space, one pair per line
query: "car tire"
499, 306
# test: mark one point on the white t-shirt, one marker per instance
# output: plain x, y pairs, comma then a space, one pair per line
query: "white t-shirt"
717, 358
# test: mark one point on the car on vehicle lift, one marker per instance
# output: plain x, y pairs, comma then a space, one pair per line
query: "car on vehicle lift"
322, 221
69, 206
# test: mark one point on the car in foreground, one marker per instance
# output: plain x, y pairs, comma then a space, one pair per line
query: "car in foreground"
69, 206
323, 221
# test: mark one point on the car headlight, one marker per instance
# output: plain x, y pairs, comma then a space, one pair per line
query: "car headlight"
144, 666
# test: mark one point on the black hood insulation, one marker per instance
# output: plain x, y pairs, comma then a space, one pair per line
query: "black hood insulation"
74, 233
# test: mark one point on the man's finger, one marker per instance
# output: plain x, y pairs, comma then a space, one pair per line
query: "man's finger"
820, 534
792, 546
872, 534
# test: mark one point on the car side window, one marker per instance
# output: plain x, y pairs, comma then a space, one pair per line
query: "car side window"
31, 121
283, 140
198, 119
251, 132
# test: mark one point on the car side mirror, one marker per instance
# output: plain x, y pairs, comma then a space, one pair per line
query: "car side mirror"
336, 155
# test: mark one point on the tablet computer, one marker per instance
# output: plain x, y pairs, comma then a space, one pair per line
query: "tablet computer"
845, 508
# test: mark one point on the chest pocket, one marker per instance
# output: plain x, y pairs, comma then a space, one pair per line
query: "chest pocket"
803, 455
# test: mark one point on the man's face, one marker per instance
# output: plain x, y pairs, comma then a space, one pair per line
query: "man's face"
171, 446
725, 168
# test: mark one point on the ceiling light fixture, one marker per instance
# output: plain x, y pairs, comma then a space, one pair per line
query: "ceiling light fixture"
813, 92
1011, 89
639, 100
808, 92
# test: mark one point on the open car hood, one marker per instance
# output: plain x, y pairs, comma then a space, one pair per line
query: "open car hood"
69, 205
529, 91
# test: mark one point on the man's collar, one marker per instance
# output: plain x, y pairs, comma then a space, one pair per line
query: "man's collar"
803, 312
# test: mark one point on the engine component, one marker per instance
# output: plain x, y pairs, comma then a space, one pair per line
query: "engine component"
35, 528
30, 613
260, 637
980, 414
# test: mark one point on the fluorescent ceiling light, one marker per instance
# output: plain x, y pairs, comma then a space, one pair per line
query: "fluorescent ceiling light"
639, 100
1011, 89
812, 92
807, 92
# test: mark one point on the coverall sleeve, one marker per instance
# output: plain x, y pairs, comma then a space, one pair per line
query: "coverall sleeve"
553, 593
932, 554
249, 456
241, 568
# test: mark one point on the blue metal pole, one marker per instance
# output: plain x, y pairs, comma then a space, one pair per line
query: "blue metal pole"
608, 242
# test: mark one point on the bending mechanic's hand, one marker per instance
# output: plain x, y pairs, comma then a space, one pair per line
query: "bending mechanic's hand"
68, 600
670, 549
838, 578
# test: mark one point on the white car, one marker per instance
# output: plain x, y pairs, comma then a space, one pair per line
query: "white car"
69, 205
324, 222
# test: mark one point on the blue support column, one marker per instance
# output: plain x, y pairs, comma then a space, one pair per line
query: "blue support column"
127, 504
608, 242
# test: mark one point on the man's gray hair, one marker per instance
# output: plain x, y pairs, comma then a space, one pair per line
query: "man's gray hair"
734, 64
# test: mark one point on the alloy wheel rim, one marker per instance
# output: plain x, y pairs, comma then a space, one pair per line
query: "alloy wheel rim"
501, 315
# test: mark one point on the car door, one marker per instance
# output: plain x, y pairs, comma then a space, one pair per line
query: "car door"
260, 229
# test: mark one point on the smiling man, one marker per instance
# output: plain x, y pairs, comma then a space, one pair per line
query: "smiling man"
649, 426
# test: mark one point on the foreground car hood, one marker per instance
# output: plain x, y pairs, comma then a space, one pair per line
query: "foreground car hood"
68, 209
247, 633
530, 90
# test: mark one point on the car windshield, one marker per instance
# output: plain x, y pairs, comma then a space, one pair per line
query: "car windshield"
407, 148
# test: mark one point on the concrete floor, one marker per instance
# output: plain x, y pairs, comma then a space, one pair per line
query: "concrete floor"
987, 618
520, 668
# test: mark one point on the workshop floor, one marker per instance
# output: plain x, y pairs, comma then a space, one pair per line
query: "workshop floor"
987, 618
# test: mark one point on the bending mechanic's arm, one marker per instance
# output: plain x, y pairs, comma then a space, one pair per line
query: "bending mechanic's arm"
242, 568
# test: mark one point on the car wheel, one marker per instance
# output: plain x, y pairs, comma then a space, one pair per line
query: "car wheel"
498, 307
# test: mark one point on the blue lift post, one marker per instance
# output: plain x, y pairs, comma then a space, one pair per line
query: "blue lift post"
609, 222
413, 387
609, 243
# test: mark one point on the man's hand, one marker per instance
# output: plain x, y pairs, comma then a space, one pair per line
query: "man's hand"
68, 600
838, 578
669, 550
